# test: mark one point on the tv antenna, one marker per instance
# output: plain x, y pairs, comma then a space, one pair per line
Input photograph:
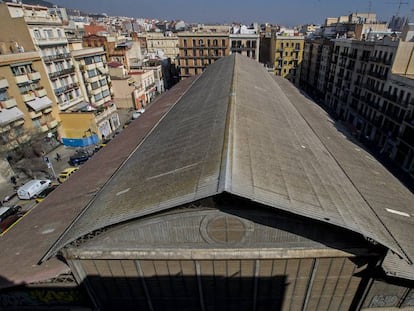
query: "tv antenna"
400, 3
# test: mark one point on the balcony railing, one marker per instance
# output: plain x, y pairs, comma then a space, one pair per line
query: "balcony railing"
56, 74
51, 41
43, 128
20, 79
34, 76
28, 97
41, 92
9, 103
51, 58
52, 124
35, 115
69, 103
4, 83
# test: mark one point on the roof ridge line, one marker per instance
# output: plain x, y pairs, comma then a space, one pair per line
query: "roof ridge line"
227, 150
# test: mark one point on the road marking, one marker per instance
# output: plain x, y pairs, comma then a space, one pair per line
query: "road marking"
393, 211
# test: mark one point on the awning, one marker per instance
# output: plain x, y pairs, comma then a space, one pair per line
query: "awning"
10, 115
40, 103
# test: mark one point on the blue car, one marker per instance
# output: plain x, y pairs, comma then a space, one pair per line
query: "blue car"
79, 158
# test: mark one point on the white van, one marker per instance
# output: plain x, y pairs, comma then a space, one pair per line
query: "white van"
32, 188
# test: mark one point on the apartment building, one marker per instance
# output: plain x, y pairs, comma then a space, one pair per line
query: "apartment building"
245, 40
200, 48
35, 25
315, 67
164, 45
145, 88
27, 106
287, 54
370, 88
116, 50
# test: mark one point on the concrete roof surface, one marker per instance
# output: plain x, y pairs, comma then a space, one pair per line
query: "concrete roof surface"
234, 129
239, 130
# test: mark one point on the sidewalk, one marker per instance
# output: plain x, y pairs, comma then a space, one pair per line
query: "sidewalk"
7, 188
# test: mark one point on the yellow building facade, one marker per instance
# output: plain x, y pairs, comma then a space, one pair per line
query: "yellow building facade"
287, 55
27, 106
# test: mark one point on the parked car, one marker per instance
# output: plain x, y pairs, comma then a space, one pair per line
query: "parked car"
136, 114
6, 211
40, 197
63, 175
9, 221
32, 188
78, 158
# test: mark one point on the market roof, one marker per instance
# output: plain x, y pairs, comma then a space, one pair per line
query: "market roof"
233, 129
238, 130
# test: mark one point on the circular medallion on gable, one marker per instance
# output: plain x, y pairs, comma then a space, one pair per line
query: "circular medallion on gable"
224, 229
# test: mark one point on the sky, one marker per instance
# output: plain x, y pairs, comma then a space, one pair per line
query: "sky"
288, 12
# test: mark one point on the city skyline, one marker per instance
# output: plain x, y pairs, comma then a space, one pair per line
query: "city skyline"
289, 13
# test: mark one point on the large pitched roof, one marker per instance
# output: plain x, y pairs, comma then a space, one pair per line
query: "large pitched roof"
239, 130
234, 129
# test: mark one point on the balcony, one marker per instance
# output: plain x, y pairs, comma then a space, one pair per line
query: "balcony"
18, 123
69, 103
93, 79
21, 79
28, 97
51, 58
56, 74
4, 83
99, 102
41, 92
9, 103
53, 124
103, 70
23, 139
34, 76
43, 128
5, 129
51, 41
96, 91
90, 67
35, 115
105, 114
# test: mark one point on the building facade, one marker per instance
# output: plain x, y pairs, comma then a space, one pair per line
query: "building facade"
163, 45
370, 89
315, 67
245, 41
199, 49
48, 35
94, 74
287, 54
28, 107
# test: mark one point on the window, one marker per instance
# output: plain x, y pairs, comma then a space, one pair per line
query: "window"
95, 85
92, 73
36, 33
88, 60
105, 93
98, 97
3, 95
